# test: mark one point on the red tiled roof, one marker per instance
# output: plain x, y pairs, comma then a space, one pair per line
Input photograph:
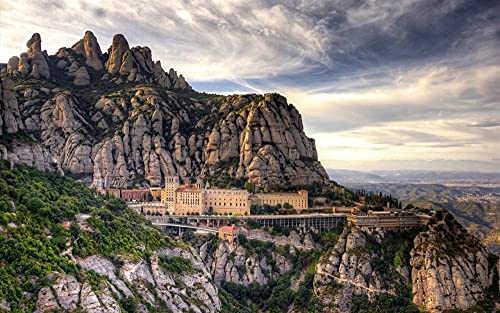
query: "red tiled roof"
232, 227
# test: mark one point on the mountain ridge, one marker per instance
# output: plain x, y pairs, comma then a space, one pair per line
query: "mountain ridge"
117, 119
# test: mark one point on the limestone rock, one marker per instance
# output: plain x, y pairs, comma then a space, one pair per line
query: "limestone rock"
46, 301
38, 60
24, 66
348, 267
150, 132
89, 47
13, 64
237, 265
10, 116
67, 290
116, 52
73, 68
181, 83
34, 45
450, 267
82, 77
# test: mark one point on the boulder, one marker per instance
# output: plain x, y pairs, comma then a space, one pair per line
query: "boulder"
13, 64
82, 77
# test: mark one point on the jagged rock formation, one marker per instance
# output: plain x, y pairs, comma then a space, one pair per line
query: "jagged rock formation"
118, 119
186, 291
347, 270
450, 268
90, 49
82, 77
240, 265
447, 268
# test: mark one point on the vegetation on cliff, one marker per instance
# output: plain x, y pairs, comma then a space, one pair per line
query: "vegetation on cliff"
35, 207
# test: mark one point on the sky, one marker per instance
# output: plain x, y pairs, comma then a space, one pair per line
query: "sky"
387, 85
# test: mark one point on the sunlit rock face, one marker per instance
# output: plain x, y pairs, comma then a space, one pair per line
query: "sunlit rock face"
118, 119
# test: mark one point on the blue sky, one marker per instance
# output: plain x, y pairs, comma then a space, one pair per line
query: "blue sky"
380, 84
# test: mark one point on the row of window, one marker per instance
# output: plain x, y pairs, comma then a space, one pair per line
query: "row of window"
242, 204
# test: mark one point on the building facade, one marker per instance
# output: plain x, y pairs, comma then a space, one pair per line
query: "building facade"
189, 200
155, 193
388, 220
110, 191
227, 201
151, 208
299, 200
197, 199
229, 233
168, 192
135, 194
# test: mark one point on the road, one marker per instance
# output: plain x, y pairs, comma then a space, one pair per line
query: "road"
350, 282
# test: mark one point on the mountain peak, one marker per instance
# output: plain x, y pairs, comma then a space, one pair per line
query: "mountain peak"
121, 65
89, 47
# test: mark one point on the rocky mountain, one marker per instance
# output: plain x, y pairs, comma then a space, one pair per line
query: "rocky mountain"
451, 269
447, 268
118, 119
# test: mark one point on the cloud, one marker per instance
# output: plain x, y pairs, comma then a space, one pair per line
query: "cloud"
372, 79
485, 124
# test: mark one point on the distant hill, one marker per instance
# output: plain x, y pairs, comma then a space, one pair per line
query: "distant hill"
414, 177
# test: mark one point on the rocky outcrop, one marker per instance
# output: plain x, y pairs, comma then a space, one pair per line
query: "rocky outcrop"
64, 130
136, 65
116, 53
67, 294
37, 58
347, 270
34, 155
240, 266
90, 49
112, 136
179, 292
82, 77
450, 268
10, 117
266, 135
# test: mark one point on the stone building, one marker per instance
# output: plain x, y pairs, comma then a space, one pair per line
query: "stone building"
154, 208
388, 220
155, 192
229, 233
299, 200
189, 200
227, 201
168, 193
135, 194
105, 191
197, 199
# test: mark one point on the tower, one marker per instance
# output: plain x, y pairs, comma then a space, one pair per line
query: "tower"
168, 193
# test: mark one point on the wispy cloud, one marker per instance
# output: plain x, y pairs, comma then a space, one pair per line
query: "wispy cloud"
390, 80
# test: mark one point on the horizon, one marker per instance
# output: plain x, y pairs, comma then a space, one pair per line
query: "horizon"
379, 86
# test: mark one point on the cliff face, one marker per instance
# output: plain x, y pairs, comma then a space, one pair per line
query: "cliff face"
260, 259
450, 268
118, 119
360, 263
241, 267
158, 289
447, 269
